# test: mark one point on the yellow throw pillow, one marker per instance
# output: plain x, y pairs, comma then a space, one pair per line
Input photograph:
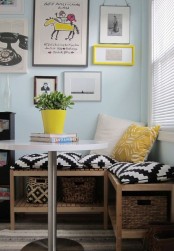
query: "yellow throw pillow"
135, 144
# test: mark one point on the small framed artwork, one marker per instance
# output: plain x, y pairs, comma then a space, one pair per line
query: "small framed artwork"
60, 33
11, 7
13, 45
4, 125
3, 158
44, 84
114, 24
83, 86
113, 54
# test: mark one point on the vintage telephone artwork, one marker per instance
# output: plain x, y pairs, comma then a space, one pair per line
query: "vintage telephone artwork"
8, 55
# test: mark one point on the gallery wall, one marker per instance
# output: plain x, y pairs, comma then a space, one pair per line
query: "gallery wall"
123, 89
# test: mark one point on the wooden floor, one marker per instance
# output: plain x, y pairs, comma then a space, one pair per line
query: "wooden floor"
87, 229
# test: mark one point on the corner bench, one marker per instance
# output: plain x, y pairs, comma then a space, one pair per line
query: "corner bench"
21, 206
115, 213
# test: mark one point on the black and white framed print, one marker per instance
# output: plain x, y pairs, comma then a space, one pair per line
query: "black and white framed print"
114, 24
13, 45
44, 84
83, 85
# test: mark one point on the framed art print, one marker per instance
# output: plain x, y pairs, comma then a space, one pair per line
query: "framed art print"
60, 33
13, 45
3, 158
4, 125
8, 7
83, 85
114, 24
44, 84
111, 54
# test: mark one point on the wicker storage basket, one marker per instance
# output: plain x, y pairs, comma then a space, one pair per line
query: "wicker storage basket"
138, 211
78, 189
164, 241
158, 236
37, 190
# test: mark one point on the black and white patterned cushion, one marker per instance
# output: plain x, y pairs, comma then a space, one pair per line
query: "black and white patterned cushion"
40, 161
145, 172
69, 160
96, 161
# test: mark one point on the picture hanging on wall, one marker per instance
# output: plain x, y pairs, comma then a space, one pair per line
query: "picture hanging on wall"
3, 158
13, 45
44, 84
83, 86
11, 7
60, 33
111, 54
114, 24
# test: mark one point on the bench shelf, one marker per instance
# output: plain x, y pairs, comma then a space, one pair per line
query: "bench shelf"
19, 205
115, 212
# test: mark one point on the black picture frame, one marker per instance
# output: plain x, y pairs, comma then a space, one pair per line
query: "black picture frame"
44, 84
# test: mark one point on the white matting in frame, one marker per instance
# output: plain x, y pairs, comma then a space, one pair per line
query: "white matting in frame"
114, 24
83, 86
111, 54
44, 84
11, 7
60, 33
13, 45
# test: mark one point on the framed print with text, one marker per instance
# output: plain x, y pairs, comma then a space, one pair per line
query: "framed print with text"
11, 7
60, 33
110, 54
114, 24
13, 45
44, 84
83, 85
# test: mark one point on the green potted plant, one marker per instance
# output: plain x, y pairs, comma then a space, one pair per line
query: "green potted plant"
53, 108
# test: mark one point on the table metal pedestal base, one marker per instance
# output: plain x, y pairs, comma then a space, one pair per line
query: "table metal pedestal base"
63, 244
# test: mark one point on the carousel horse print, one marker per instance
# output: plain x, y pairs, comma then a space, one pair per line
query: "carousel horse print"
63, 26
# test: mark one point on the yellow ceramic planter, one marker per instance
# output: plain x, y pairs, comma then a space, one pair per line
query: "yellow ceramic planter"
53, 121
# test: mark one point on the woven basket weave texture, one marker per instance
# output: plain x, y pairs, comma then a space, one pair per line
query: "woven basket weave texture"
138, 211
78, 189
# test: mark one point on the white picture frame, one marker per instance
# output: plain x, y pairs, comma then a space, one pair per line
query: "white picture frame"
114, 24
83, 85
13, 32
60, 33
8, 7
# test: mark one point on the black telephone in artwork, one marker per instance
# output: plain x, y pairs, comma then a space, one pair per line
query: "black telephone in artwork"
8, 56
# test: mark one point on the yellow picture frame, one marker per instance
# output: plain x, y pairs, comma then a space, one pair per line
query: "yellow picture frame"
111, 54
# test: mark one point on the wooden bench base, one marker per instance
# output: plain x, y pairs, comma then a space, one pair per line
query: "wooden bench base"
19, 205
115, 213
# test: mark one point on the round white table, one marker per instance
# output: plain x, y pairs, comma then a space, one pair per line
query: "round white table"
52, 244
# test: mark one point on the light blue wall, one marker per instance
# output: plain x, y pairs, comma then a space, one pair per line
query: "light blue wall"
124, 88
163, 152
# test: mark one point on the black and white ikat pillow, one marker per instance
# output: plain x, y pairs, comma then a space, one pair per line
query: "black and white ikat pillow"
96, 161
144, 172
40, 161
